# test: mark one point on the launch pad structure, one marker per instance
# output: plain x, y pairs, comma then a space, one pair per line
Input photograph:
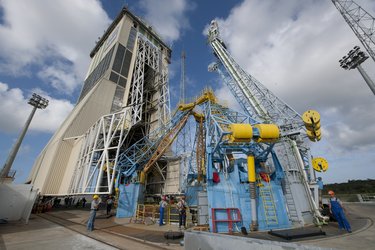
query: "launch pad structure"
249, 169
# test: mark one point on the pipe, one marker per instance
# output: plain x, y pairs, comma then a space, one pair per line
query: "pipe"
252, 180
317, 215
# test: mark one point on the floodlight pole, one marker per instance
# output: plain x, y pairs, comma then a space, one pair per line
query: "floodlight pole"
368, 80
37, 102
353, 60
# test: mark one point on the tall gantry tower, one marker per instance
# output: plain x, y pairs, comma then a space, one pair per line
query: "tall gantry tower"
125, 97
360, 21
264, 106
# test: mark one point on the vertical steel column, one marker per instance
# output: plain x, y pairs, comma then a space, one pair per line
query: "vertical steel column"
253, 192
368, 80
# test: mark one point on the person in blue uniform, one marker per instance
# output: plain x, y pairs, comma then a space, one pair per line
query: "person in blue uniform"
337, 210
163, 204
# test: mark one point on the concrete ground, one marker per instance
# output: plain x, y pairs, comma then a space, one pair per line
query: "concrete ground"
66, 229
362, 238
43, 234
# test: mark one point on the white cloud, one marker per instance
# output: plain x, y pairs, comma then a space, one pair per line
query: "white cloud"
59, 76
36, 32
168, 17
15, 110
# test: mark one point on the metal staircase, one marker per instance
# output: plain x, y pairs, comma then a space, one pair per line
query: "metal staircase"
292, 210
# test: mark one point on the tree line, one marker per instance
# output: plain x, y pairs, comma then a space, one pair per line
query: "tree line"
351, 187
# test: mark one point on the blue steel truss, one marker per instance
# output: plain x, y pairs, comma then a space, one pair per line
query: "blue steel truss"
218, 120
137, 155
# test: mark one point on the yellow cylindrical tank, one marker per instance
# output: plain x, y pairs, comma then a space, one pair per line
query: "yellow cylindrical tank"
311, 118
251, 176
240, 132
267, 132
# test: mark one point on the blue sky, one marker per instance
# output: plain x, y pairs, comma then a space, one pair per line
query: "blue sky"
292, 47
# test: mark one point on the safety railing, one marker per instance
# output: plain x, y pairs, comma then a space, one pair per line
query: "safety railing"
171, 214
233, 216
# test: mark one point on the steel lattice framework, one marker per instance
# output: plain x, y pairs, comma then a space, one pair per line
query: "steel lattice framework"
150, 55
164, 102
183, 143
97, 162
258, 101
101, 154
147, 53
139, 154
360, 21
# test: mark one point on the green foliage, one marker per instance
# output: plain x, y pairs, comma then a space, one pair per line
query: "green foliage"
351, 187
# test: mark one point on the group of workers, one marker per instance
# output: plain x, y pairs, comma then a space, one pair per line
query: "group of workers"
335, 207
181, 206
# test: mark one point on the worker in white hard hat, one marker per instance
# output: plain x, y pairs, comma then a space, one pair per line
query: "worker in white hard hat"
94, 207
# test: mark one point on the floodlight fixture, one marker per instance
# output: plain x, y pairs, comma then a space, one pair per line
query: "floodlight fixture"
37, 102
353, 60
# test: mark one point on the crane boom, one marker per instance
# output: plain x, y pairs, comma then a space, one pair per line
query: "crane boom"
258, 101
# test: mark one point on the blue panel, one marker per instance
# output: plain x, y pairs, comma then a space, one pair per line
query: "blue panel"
192, 195
127, 201
230, 192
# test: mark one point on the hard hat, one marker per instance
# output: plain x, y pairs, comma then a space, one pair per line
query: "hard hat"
331, 192
96, 196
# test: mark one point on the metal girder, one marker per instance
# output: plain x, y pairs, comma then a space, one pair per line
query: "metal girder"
201, 149
164, 101
234, 88
97, 162
166, 142
258, 101
218, 119
138, 154
360, 21
147, 54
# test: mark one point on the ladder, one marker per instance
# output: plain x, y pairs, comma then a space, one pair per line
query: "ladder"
266, 195
292, 210
139, 215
